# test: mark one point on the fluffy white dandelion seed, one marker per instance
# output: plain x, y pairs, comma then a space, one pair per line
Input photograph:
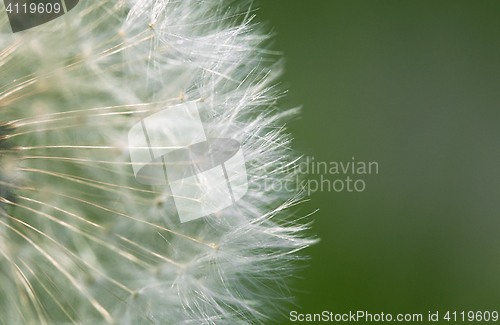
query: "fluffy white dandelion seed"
81, 240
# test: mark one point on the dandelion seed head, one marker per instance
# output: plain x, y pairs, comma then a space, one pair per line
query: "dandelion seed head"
81, 240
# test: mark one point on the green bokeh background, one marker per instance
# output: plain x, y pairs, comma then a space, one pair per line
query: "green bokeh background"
414, 86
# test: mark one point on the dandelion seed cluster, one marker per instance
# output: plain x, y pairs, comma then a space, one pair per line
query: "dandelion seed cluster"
81, 241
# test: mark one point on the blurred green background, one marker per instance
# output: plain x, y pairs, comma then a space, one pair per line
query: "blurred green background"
414, 86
